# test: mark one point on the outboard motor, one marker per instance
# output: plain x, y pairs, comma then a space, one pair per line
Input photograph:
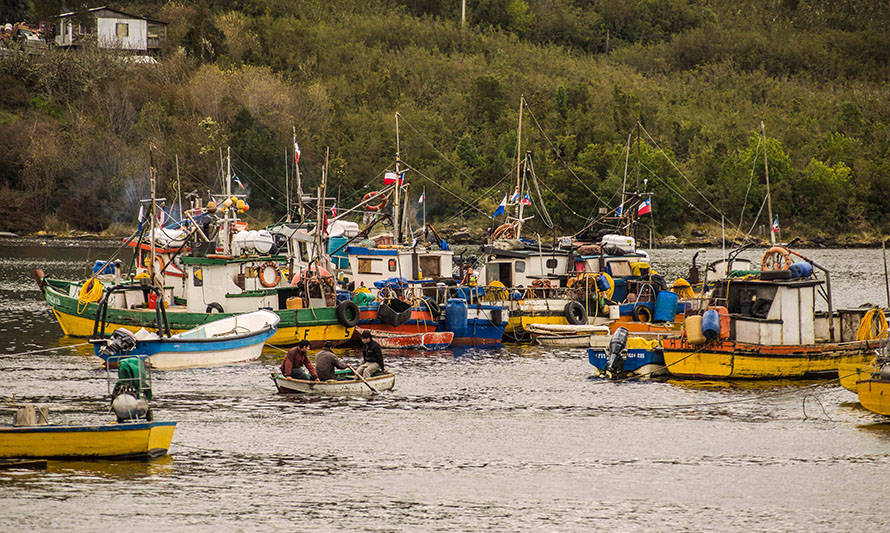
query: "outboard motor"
121, 342
616, 354
885, 371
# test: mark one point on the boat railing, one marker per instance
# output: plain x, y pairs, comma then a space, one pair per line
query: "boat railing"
124, 380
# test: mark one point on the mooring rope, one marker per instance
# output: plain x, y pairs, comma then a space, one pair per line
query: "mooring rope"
46, 349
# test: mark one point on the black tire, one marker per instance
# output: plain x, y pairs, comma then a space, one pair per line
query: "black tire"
641, 313
347, 313
214, 306
575, 313
435, 310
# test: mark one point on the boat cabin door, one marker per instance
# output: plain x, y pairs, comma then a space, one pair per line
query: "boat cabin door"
501, 271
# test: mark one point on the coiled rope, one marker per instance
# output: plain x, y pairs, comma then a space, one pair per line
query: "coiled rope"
873, 326
91, 291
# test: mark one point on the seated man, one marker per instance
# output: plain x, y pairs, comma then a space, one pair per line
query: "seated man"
326, 362
296, 363
372, 357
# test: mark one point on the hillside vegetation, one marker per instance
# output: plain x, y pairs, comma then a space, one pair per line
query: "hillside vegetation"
76, 127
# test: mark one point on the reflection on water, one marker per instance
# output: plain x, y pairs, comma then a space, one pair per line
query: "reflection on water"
512, 438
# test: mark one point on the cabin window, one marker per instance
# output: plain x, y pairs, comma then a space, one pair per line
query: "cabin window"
392, 265
520, 266
552, 262
430, 266
366, 266
123, 29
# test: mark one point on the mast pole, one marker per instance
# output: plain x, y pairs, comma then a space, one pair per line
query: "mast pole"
769, 198
154, 215
423, 195
286, 187
624, 181
396, 221
179, 190
302, 209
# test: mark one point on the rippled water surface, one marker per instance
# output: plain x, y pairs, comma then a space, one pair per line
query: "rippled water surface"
518, 438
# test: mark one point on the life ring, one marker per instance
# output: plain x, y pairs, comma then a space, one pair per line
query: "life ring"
378, 206
575, 313
641, 313
505, 231
213, 306
776, 258
347, 313
262, 274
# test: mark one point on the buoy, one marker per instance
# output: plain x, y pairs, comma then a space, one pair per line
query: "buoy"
693, 330
240, 204
227, 203
211, 207
246, 207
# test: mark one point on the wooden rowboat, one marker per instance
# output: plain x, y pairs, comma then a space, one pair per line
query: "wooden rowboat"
570, 336
433, 340
352, 387
131, 439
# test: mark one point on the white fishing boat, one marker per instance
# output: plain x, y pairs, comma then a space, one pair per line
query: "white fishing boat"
233, 339
352, 387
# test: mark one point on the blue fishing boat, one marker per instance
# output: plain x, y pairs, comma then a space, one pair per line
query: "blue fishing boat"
475, 324
628, 357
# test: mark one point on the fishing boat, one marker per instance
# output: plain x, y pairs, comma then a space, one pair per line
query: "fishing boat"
766, 327
134, 434
225, 341
570, 336
347, 387
433, 340
627, 356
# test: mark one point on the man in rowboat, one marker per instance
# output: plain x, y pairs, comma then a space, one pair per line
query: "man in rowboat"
372, 356
326, 362
296, 363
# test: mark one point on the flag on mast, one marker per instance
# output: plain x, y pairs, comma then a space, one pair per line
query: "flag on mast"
776, 224
390, 178
422, 198
237, 181
515, 197
296, 152
645, 207
526, 200
502, 208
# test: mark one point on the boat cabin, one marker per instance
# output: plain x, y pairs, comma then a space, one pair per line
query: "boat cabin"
520, 268
368, 265
772, 312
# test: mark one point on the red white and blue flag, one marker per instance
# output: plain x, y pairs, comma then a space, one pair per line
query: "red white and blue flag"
390, 178
422, 198
645, 207
237, 181
296, 152
526, 200
776, 224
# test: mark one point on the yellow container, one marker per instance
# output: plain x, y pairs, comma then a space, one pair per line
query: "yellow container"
693, 330
296, 302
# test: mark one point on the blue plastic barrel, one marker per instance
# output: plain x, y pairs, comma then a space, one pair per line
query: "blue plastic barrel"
801, 270
339, 259
665, 306
602, 283
710, 324
103, 267
456, 316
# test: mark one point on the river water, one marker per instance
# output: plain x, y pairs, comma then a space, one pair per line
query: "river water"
518, 438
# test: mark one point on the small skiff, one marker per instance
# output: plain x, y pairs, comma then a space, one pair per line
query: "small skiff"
433, 340
129, 439
229, 340
570, 336
352, 387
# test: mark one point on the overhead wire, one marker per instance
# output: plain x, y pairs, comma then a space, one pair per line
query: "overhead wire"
446, 189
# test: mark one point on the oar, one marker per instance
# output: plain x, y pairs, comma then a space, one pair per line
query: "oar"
363, 379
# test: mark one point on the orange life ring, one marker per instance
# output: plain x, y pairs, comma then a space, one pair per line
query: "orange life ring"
378, 206
262, 274
506, 231
776, 258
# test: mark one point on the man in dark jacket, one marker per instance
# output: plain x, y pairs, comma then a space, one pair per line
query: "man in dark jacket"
296, 363
372, 356
326, 362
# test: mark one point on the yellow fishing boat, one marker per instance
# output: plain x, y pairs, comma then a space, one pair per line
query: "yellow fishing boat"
874, 395
131, 439
850, 371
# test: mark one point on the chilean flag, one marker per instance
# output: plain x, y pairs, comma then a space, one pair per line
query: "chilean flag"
422, 198
645, 207
390, 178
776, 224
526, 200
296, 152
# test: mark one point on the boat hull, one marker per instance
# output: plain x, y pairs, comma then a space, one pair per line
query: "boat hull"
734, 360
850, 371
434, 340
353, 387
137, 439
314, 325
874, 395
643, 358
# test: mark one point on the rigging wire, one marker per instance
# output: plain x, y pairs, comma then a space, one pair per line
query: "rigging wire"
255, 171
556, 153
449, 191
750, 182
433, 146
677, 192
671, 161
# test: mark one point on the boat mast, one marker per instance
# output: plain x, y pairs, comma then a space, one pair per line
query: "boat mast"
302, 209
769, 199
624, 181
396, 225
226, 226
154, 216
519, 167
286, 188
